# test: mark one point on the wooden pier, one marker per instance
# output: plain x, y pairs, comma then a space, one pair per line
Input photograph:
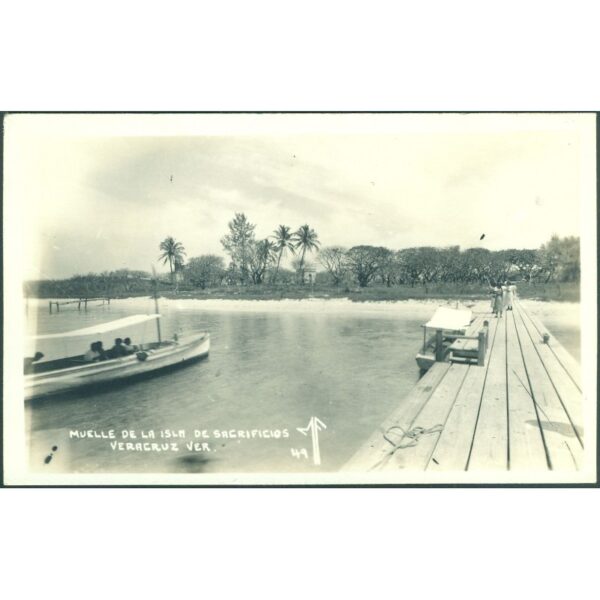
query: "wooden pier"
521, 410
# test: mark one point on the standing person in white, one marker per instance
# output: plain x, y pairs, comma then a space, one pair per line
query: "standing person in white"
510, 296
505, 296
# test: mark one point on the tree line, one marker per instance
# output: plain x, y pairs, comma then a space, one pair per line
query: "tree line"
108, 284
558, 260
258, 262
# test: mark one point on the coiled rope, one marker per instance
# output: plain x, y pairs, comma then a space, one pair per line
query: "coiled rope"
409, 439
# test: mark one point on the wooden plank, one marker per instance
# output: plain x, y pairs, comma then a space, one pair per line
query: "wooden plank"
464, 357
490, 442
433, 415
376, 449
564, 450
452, 450
568, 363
526, 443
468, 346
569, 394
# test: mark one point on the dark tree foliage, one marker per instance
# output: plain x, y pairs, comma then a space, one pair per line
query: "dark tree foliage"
238, 243
109, 284
205, 271
365, 261
333, 260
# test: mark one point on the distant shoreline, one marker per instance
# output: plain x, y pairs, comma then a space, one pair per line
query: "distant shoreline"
555, 292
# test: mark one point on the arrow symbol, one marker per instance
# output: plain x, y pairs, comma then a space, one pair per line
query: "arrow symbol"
314, 426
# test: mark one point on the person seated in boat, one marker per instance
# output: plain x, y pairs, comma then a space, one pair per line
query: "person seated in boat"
103, 353
29, 360
129, 347
118, 350
92, 355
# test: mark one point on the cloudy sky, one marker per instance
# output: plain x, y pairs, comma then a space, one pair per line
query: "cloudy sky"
101, 198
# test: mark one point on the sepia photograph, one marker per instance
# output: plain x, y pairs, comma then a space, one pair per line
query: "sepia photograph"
300, 299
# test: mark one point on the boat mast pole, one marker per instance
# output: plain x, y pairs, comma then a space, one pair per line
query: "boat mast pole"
156, 308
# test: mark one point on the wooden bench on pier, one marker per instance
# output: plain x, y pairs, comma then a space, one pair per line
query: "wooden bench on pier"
470, 349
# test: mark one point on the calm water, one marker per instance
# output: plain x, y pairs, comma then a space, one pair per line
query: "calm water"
270, 370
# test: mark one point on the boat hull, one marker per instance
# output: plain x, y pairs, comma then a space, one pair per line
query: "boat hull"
425, 360
98, 374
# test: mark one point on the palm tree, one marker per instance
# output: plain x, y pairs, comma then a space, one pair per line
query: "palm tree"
283, 241
307, 239
262, 256
172, 252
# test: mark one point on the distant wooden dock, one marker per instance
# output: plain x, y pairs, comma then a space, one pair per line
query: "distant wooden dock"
521, 410
80, 302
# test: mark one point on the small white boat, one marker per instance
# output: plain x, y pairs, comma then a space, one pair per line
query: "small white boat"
73, 372
449, 322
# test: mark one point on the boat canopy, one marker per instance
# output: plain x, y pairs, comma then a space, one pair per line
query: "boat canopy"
449, 318
99, 328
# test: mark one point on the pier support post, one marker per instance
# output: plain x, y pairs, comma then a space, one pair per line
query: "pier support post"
50, 307
439, 346
481, 348
486, 329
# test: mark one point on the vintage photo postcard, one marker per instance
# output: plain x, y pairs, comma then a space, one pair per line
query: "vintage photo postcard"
299, 299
